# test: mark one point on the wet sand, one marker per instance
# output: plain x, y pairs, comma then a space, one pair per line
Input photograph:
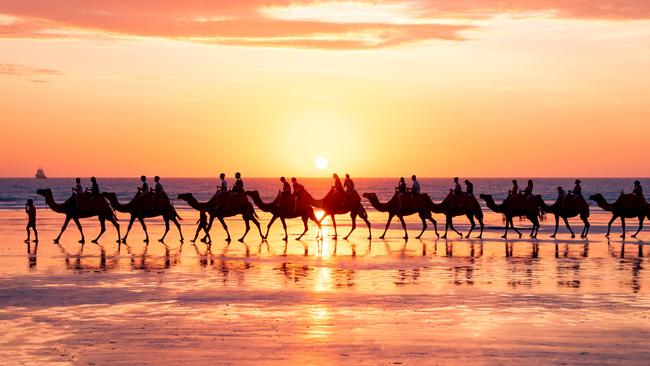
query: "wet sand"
429, 301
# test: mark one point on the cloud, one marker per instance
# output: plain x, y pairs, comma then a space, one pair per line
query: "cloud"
31, 73
286, 23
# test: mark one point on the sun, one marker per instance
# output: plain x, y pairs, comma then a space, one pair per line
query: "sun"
321, 162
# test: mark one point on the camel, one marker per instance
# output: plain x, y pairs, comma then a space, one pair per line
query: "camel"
455, 205
571, 206
145, 206
285, 209
227, 205
409, 206
517, 205
339, 204
89, 207
626, 206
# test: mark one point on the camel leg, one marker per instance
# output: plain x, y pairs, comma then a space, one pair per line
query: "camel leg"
536, 226
406, 234
65, 225
390, 218
117, 227
566, 222
444, 236
81, 231
435, 225
304, 221
207, 230
128, 229
623, 225
102, 226
225, 227
424, 227
480, 221
178, 226
353, 217
196, 235
166, 220
284, 226
248, 227
557, 225
586, 227
505, 235
268, 227
472, 224
451, 226
641, 218
336, 235
364, 216
257, 223
144, 227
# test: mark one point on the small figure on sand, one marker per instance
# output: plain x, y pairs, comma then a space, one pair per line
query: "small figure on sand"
202, 225
577, 189
30, 210
223, 184
239, 184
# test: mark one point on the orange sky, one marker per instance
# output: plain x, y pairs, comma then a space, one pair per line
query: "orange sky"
436, 88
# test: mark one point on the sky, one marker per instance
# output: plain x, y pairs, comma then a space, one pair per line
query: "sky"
475, 88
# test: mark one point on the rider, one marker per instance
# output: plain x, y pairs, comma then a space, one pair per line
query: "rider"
144, 188
298, 189
286, 187
528, 191
347, 183
638, 191
415, 188
239, 184
457, 188
158, 188
337, 183
223, 187
515, 188
94, 188
470, 187
77, 189
400, 190
577, 189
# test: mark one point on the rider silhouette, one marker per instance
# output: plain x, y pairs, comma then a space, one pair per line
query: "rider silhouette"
348, 183
298, 189
223, 186
470, 187
515, 188
144, 188
94, 188
77, 189
458, 190
415, 188
239, 184
577, 189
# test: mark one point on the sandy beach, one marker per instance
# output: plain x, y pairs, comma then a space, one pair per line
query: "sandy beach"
375, 302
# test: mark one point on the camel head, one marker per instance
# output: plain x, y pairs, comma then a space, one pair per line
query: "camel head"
109, 195
370, 196
485, 197
596, 197
252, 193
185, 196
44, 192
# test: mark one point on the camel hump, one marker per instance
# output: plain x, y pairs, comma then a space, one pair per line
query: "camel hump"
629, 200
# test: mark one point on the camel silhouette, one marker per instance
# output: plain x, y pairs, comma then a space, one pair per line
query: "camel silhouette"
335, 203
410, 205
225, 205
516, 205
79, 207
626, 206
145, 206
571, 206
458, 205
286, 208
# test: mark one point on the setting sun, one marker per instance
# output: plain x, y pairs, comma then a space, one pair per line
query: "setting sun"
321, 162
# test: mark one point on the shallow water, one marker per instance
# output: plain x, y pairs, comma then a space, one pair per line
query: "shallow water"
429, 301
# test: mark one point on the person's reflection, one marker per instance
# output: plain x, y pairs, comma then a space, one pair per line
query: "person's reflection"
31, 257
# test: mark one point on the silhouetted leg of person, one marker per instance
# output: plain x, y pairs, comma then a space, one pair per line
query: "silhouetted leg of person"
81, 231
65, 225
28, 235
225, 228
353, 218
102, 229
390, 218
35, 234
566, 222
640, 226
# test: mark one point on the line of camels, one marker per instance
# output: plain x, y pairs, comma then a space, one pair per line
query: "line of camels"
335, 203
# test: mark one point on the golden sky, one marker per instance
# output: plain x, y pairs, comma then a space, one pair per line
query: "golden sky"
379, 88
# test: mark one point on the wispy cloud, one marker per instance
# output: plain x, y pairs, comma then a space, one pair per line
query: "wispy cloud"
286, 23
31, 73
